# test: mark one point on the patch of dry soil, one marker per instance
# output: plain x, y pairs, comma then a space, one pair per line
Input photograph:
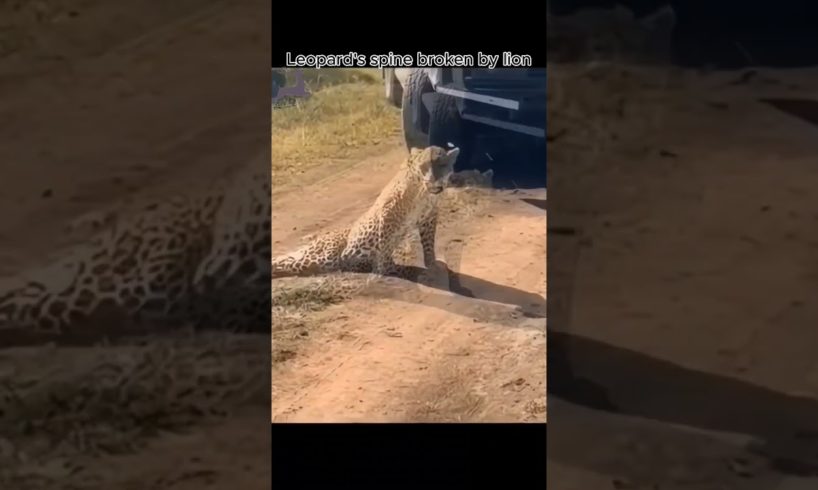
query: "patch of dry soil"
470, 347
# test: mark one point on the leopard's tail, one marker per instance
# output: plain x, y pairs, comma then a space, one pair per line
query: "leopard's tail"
321, 255
286, 265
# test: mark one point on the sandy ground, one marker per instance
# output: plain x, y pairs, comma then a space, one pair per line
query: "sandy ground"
92, 104
67, 144
682, 273
471, 347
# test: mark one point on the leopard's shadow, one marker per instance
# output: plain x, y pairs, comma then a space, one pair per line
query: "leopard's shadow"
530, 304
608, 378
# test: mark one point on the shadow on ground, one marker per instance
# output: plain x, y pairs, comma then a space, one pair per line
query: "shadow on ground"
529, 305
537, 203
605, 377
804, 109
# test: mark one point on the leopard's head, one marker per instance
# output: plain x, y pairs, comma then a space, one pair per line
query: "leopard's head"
435, 165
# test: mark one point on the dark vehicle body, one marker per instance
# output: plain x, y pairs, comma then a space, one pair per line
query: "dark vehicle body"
456, 106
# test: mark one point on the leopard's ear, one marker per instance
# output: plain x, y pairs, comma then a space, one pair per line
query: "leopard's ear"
451, 155
414, 151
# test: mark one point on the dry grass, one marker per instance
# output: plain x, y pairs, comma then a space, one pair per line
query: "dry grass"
306, 298
319, 79
295, 303
345, 116
111, 399
452, 399
597, 107
455, 394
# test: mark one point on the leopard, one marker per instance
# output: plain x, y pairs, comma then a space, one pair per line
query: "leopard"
199, 259
407, 203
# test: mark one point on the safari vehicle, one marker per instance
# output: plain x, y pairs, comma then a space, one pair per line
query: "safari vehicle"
454, 106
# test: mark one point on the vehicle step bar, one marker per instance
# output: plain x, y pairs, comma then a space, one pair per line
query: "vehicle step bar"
519, 128
486, 99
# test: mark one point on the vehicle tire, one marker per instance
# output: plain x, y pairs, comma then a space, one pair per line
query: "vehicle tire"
414, 132
438, 125
392, 88
447, 129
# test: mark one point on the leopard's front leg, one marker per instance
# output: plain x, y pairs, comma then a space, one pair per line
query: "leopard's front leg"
427, 228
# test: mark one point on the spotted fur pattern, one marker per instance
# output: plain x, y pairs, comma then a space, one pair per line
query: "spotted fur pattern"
200, 259
409, 201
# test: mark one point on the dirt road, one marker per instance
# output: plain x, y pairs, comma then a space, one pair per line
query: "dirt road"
684, 288
107, 114
470, 348
102, 102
